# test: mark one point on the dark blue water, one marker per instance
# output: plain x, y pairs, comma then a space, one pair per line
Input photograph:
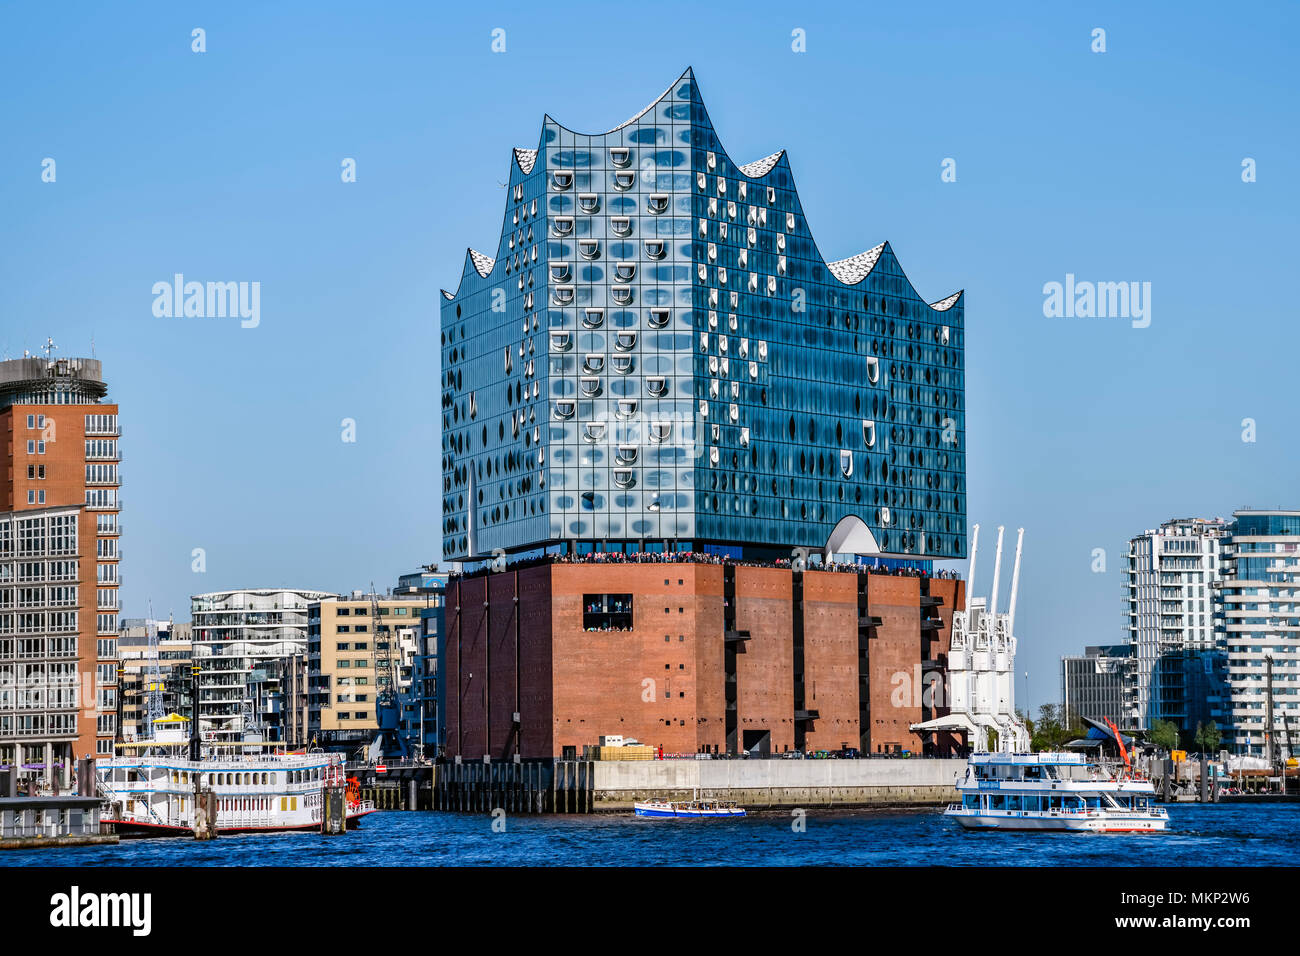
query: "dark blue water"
1212, 835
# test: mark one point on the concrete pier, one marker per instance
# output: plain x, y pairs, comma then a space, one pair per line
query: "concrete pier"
594, 786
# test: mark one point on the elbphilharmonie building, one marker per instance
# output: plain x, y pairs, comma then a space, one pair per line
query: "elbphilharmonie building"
657, 356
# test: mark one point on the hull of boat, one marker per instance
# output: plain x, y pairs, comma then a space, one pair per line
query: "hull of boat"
129, 829
653, 811
1062, 824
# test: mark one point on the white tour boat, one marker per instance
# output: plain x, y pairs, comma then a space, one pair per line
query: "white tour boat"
1054, 791
152, 792
686, 808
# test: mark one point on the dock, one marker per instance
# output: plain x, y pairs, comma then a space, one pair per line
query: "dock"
599, 786
28, 823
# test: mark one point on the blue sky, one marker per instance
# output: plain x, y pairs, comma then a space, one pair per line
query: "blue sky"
225, 165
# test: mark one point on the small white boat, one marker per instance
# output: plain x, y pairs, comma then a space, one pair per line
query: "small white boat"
687, 808
1054, 791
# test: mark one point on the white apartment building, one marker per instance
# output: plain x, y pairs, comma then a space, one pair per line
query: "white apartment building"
1169, 603
1260, 595
242, 641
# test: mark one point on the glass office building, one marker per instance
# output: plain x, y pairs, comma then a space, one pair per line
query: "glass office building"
657, 356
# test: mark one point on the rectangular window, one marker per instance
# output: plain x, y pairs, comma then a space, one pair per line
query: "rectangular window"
607, 612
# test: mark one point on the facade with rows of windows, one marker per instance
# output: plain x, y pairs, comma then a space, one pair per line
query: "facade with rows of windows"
1260, 628
657, 356
61, 449
47, 661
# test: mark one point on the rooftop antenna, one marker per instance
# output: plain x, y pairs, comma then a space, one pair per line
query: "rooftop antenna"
974, 552
997, 575
1015, 584
49, 347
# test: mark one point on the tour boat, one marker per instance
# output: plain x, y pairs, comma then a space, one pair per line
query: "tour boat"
1054, 791
152, 793
687, 808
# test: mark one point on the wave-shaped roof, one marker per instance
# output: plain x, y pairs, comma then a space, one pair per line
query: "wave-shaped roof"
525, 158
761, 167
854, 269
850, 271
943, 305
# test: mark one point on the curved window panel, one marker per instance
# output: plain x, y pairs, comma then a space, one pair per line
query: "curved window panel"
593, 363
656, 386
620, 156
624, 180
623, 364
562, 294
593, 431
591, 387
562, 226
655, 249
622, 294
561, 179
658, 318
625, 341
625, 271
564, 409
846, 464
593, 318
589, 202
626, 407
869, 433
622, 225
589, 248
660, 432
657, 203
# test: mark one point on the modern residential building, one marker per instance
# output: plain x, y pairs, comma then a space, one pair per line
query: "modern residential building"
48, 665
663, 411
1260, 596
244, 641
1169, 606
345, 653
60, 449
1098, 685
657, 356
425, 724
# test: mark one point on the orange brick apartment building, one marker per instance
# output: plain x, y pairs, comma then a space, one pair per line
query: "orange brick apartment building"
58, 457
693, 657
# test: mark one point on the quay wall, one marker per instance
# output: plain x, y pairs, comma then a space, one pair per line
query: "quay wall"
779, 784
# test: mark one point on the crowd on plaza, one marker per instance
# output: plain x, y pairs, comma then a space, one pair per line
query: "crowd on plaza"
701, 557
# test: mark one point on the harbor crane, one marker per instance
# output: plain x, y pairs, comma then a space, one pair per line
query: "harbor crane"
388, 706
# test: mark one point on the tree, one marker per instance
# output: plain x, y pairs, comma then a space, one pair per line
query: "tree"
1048, 732
1163, 734
1208, 737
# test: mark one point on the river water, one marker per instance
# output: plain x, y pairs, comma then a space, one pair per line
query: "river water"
1209, 835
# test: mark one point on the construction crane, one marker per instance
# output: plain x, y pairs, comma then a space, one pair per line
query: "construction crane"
388, 708
153, 678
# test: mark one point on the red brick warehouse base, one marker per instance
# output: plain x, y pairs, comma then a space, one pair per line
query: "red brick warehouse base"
708, 657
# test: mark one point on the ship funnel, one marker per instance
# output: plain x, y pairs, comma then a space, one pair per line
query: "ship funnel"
974, 552
1015, 582
997, 575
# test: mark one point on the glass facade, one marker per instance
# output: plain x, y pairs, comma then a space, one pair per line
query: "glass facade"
659, 356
